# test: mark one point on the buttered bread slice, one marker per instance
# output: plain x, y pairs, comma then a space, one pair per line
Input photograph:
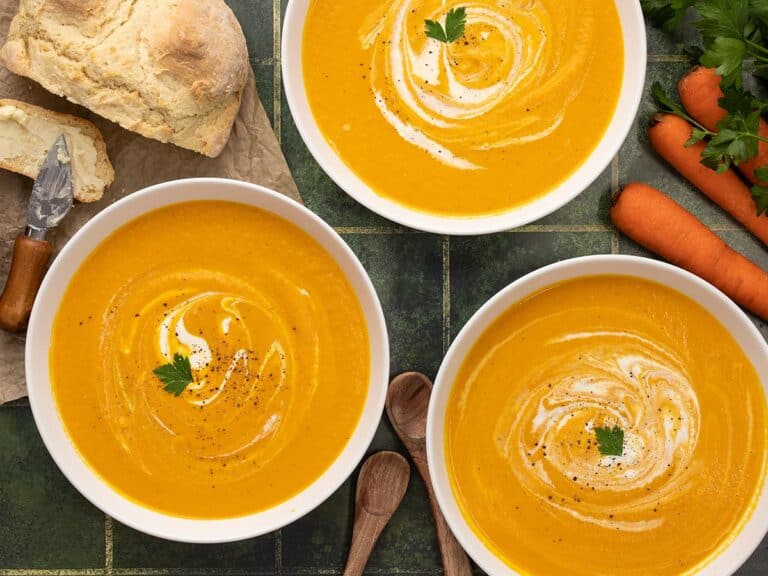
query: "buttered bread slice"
172, 70
27, 132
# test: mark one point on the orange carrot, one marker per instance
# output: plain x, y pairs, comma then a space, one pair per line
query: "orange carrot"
668, 135
661, 225
700, 92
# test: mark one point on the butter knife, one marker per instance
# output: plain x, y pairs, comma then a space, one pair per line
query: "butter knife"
50, 202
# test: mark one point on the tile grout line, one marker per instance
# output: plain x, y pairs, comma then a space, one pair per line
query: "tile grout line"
52, 572
108, 545
528, 229
374, 230
446, 293
268, 61
299, 571
279, 552
277, 88
668, 58
567, 228
614, 190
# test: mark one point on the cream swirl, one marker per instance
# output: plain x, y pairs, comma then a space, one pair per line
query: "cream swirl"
611, 379
508, 81
240, 344
173, 333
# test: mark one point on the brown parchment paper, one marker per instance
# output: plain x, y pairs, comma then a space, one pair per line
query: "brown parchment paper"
252, 154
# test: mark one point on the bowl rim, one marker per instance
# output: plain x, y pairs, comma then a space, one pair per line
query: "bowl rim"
630, 98
62, 448
743, 543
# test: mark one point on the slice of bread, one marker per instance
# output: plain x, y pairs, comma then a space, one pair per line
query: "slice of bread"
27, 132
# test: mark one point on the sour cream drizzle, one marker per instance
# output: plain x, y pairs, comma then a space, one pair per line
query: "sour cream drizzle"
242, 364
483, 93
629, 382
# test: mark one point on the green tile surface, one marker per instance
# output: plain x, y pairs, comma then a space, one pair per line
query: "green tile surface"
429, 287
44, 522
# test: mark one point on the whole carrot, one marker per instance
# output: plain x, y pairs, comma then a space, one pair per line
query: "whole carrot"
700, 93
668, 135
661, 225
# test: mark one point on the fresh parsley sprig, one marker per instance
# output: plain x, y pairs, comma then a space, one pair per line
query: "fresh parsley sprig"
176, 375
455, 22
666, 14
732, 32
738, 133
610, 441
760, 193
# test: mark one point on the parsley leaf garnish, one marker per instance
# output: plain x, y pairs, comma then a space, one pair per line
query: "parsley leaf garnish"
176, 376
733, 33
455, 21
722, 18
666, 14
610, 441
759, 9
760, 193
726, 56
738, 132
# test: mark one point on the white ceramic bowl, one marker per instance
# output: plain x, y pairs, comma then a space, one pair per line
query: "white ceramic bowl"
44, 406
635, 59
730, 315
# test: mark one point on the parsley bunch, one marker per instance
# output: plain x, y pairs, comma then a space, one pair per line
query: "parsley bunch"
734, 34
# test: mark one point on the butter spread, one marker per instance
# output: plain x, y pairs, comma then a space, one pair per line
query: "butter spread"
31, 135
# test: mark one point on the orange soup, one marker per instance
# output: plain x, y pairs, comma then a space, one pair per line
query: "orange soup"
606, 425
210, 360
496, 113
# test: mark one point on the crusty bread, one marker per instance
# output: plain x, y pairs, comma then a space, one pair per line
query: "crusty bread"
172, 70
27, 132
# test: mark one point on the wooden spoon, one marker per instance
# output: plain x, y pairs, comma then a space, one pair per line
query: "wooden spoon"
407, 405
381, 486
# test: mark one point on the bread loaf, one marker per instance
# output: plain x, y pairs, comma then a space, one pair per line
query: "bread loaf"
27, 133
172, 70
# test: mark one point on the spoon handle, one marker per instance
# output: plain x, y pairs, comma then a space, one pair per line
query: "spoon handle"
364, 536
381, 486
455, 561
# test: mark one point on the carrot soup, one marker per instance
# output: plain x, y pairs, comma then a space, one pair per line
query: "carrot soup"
606, 425
463, 108
210, 360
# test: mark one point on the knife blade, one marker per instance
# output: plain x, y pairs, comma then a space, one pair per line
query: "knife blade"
52, 194
50, 202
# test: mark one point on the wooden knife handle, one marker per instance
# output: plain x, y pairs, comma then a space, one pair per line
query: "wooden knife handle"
30, 258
